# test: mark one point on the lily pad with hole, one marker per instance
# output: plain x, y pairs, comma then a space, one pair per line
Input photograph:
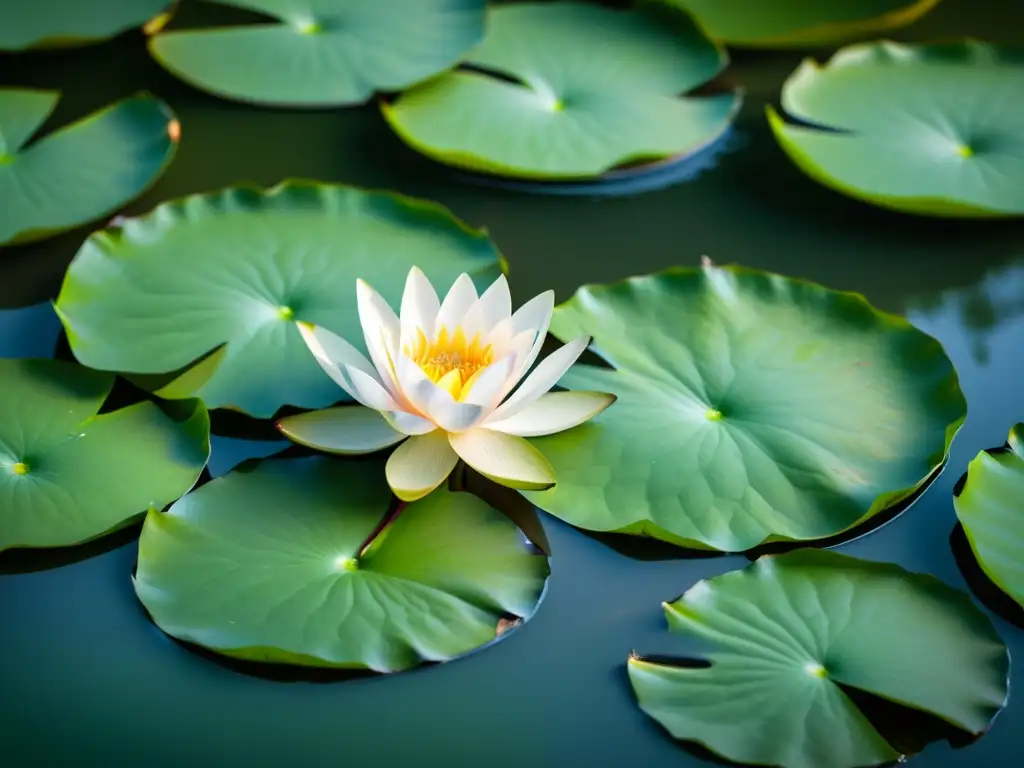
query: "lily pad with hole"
990, 506
62, 23
934, 130
68, 475
751, 408
792, 23
570, 91
81, 172
798, 636
279, 562
223, 278
320, 53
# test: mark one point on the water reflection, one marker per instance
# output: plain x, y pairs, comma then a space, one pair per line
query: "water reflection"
31, 331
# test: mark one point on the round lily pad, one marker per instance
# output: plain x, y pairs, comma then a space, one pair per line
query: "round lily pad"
59, 23
79, 173
933, 130
68, 475
785, 23
990, 506
570, 91
271, 563
799, 636
317, 53
230, 273
751, 408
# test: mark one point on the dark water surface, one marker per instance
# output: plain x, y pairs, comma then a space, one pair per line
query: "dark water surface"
85, 679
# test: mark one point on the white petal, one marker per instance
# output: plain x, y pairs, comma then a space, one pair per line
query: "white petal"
456, 304
419, 306
492, 308
522, 348
490, 384
368, 391
380, 325
433, 402
535, 316
419, 465
347, 429
543, 377
505, 459
552, 412
333, 353
409, 423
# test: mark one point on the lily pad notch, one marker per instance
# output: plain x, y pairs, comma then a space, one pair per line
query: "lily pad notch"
285, 561
798, 636
930, 130
570, 91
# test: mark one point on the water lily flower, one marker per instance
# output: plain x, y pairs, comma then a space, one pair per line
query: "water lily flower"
442, 378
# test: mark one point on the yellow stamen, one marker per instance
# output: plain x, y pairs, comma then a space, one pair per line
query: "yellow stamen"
451, 361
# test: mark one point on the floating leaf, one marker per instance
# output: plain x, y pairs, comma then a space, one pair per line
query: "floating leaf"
799, 635
990, 506
79, 173
59, 23
751, 408
591, 88
785, 23
323, 52
240, 267
932, 130
68, 475
265, 564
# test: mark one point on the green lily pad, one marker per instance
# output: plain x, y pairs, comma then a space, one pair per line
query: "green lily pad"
79, 173
60, 23
798, 633
269, 563
785, 23
751, 408
319, 53
933, 130
990, 506
68, 475
592, 88
231, 272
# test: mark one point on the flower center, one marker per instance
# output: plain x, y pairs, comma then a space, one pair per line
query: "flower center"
451, 361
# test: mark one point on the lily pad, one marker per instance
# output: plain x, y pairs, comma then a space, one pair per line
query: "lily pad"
230, 273
79, 173
798, 634
68, 475
318, 53
933, 130
990, 506
61, 23
751, 408
570, 91
787, 23
270, 563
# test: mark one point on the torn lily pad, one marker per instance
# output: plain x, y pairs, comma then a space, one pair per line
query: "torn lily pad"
798, 636
283, 562
935, 130
562, 91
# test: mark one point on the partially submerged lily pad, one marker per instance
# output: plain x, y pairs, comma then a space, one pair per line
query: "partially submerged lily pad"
798, 636
789, 23
79, 173
932, 130
227, 275
990, 506
68, 475
751, 408
570, 91
60, 23
271, 563
318, 53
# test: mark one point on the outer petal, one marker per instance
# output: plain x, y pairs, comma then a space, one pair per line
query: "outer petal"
543, 378
534, 317
552, 412
368, 391
505, 459
419, 306
335, 354
409, 423
456, 304
419, 465
349, 429
380, 324
433, 402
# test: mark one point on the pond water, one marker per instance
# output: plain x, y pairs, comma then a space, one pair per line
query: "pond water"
87, 679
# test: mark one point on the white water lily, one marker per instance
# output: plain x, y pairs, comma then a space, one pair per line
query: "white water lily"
441, 380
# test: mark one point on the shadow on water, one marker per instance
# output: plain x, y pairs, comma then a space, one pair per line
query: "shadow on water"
991, 596
24, 560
